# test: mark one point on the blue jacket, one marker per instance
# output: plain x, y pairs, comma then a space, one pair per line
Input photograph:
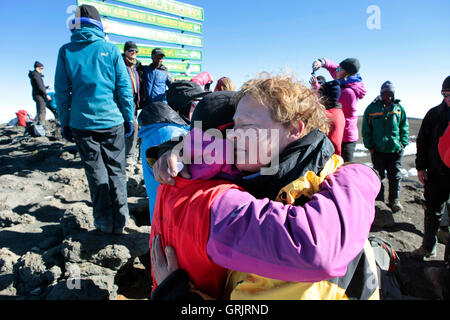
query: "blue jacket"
92, 85
156, 81
153, 135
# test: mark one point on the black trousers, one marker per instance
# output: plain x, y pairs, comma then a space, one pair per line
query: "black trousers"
41, 106
388, 164
348, 150
436, 193
103, 156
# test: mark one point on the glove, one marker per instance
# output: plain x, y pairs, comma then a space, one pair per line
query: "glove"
67, 134
129, 129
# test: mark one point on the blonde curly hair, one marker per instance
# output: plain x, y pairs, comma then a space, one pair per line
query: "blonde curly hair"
288, 101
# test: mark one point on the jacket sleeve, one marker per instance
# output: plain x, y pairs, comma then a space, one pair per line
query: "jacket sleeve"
366, 130
39, 85
444, 146
63, 89
124, 92
331, 67
404, 129
423, 140
306, 243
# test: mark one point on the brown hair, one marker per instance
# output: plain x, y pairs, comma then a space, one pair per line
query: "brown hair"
288, 100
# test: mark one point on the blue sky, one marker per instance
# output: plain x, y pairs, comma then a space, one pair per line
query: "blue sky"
242, 38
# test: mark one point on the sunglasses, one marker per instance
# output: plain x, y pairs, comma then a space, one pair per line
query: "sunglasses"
446, 95
133, 50
338, 69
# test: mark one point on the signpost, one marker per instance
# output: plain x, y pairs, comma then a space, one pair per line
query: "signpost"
172, 7
133, 31
120, 12
180, 24
145, 51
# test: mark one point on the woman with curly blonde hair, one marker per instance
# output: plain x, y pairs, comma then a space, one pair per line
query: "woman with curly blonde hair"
299, 233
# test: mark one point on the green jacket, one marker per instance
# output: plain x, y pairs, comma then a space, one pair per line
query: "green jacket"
385, 130
92, 85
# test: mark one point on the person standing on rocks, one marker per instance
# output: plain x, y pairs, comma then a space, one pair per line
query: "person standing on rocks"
95, 105
432, 171
352, 90
385, 132
156, 78
39, 92
134, 68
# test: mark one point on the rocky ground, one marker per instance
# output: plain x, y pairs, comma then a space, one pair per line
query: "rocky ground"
49, 249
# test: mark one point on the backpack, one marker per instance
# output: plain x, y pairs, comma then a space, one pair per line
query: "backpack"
22, 118
387, 261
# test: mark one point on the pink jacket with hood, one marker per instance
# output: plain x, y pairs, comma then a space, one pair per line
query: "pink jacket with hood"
350, 93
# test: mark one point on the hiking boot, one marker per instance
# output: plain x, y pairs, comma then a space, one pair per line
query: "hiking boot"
443, 236
423, 254
436, 277
395, 206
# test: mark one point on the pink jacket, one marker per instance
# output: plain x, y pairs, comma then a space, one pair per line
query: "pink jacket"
202, 79
349, 98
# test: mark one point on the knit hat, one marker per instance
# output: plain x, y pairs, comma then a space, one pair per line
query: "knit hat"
321, 79
37, 64
446, 84
331, 91
130, 45
351, 65
387, 87
182, 93
215, 110
87, 14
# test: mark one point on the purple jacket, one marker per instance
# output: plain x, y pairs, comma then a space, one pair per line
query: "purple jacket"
349, 99
306, 243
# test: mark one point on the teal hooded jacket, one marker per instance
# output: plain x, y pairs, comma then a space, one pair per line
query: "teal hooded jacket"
92, 86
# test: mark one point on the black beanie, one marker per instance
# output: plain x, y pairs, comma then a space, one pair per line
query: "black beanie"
87, 11
446, 84
351, 65
215, 110
37, 64
331, 91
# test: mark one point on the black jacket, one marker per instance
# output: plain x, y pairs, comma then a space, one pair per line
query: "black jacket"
433, 127
160, 112
37, 84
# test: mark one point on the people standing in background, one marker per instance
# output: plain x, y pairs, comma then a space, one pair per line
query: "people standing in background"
135, 71
385, 132
156, 79
432, 171
224, 84
95, 106
39, 92
352, 90
330, 92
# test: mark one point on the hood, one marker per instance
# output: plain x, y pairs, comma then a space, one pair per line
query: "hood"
355, 83
358, 88
33, 73
86, 34
159, 112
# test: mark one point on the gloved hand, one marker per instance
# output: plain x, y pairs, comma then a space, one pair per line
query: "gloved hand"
129, 129
67, 134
